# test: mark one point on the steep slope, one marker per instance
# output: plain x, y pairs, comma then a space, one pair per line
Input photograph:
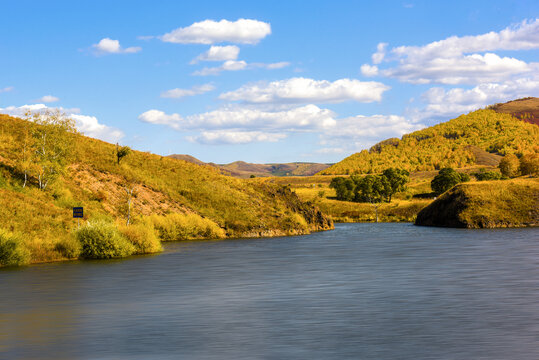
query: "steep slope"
162, 185
457, 143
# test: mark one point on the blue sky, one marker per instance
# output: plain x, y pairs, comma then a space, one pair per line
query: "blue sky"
264, 81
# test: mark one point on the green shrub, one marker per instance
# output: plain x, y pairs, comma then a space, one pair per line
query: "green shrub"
143, 237
69, 247
173, 227
102, 240
484, 175
12, 251
446, 179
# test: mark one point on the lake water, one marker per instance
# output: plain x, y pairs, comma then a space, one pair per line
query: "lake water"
362, 291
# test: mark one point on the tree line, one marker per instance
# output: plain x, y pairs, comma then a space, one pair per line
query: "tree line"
371, 188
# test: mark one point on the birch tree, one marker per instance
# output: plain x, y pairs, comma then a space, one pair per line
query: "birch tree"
53, 142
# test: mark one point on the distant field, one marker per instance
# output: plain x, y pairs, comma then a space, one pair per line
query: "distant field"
403, 208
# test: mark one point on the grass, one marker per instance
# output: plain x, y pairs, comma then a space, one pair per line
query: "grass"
180, 200
486, 204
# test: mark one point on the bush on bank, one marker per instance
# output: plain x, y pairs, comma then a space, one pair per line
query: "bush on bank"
102, 240
143, 237
12, 251
173, 227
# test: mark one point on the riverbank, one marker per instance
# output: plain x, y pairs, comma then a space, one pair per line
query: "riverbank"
486, 204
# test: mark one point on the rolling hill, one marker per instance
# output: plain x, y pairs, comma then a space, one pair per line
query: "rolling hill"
242, 169
201, 197
481, 137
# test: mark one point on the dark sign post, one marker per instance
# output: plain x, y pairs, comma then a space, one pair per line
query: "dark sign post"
78, 212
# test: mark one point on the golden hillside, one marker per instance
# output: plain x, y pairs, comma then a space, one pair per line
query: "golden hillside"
467, 140
161, 186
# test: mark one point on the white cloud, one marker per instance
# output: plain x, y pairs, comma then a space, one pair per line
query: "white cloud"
195, 90
88, 125
110, 46
380, 53
464, 60
230, 65
159, 117
219, 53
442, 104
470, 69
369, 70
6, 89
523, 36
235, 137
48, 99
305, 118
233, 65
303, 90
361, 132
243, 31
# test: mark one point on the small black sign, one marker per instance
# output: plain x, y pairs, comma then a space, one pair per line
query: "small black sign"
77, 212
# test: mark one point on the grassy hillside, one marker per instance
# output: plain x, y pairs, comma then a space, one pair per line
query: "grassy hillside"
486, 204
461, 142
242, 169
162, 186
526, 109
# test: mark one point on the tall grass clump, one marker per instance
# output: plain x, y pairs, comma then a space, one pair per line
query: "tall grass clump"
103, 240
173, 227
143, 237
69, 247
12, 251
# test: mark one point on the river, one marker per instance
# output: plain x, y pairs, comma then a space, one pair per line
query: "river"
362, 291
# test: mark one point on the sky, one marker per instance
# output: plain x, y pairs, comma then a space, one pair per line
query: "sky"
264, 82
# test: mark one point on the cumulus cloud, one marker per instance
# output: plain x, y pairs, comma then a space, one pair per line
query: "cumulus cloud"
195, 90
88, 125
6, 89
48, 99
380, 53
242, 31
470, 69
523, 36
303, 118
463, 60
235, 137
369, 70
303, 90
442, 104
219, 53
110, 46
361, 132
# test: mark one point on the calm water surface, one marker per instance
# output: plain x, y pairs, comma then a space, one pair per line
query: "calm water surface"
362, 291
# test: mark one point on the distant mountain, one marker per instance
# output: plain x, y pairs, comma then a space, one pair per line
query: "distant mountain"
481, 137
242, 169
526, 109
